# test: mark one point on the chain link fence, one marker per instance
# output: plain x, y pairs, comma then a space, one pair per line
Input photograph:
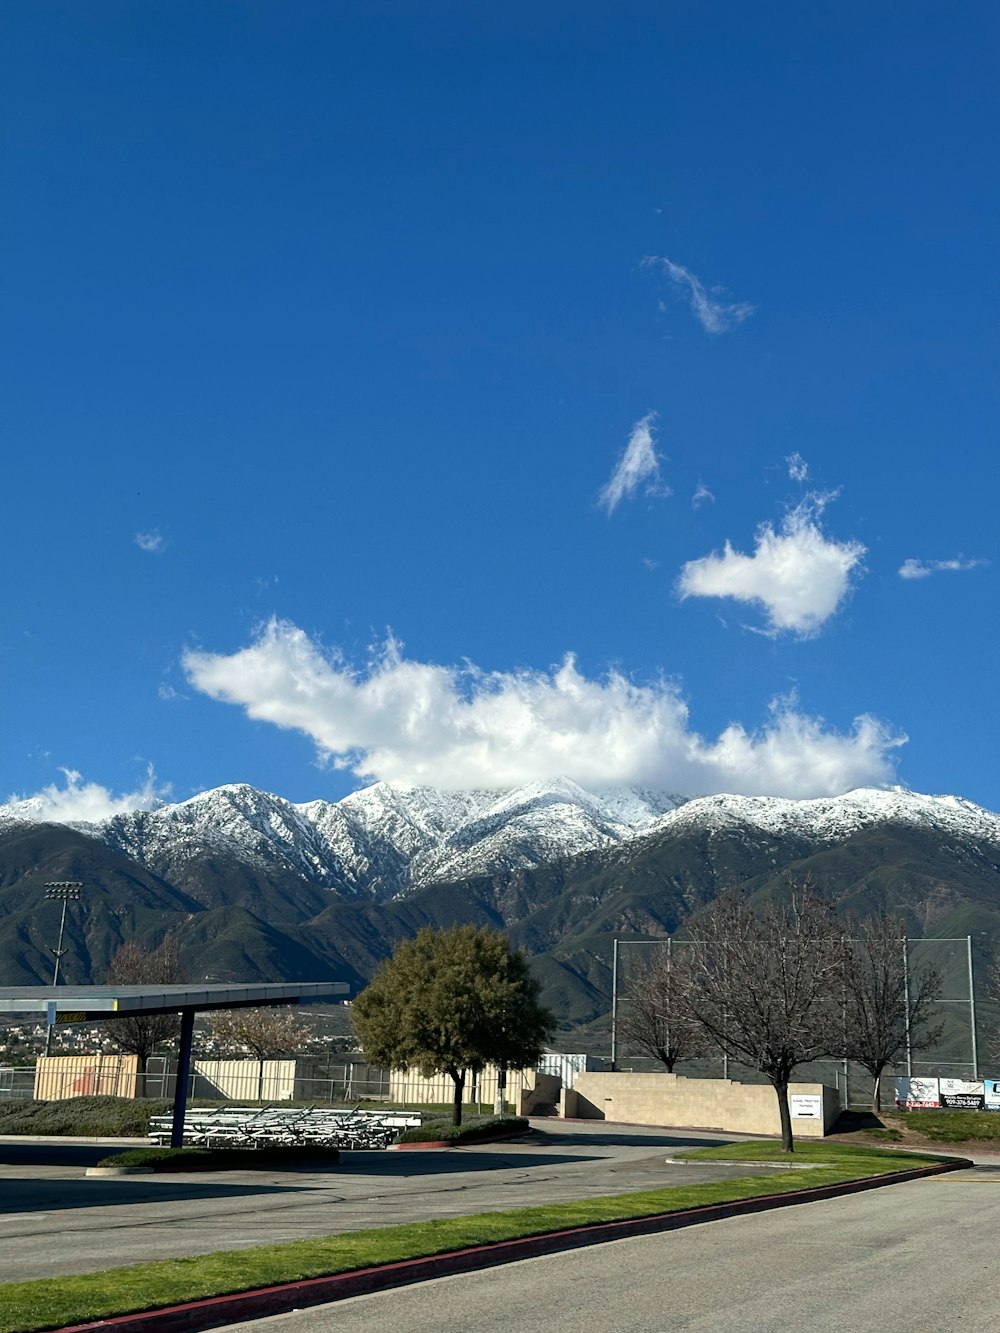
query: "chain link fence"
967, 1047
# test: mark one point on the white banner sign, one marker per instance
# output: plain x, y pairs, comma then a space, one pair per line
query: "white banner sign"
917, 1093
806, 1106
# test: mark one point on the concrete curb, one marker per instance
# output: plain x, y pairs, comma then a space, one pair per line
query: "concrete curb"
119, 1171
195, 1316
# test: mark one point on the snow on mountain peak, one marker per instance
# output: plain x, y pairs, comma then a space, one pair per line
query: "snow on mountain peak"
829, 818
383, 840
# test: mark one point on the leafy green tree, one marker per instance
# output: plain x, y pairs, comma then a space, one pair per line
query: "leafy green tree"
451, 1002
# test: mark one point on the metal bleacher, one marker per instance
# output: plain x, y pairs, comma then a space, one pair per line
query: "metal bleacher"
271, 1126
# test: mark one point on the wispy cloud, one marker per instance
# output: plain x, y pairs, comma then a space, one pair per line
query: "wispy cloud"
638, 466
81, 802
702, 495
418, 723
798, 468
153, 542
922, 569
713, 313
798, 574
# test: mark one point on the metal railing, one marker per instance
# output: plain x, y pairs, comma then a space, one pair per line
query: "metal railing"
263, 1127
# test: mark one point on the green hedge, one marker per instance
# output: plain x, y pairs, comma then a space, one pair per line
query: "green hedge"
493, 1127
90, 1117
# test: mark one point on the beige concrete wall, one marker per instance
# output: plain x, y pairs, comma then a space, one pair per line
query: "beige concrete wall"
695, 1103
545, 1094
60, 1076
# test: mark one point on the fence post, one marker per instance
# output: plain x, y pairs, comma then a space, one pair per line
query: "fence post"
906, 1003
972, 1012
614, 1006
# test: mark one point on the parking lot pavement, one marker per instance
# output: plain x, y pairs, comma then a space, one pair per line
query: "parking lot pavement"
54, 1219
911, 1258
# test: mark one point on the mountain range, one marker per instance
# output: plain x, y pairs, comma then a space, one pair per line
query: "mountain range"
255, 887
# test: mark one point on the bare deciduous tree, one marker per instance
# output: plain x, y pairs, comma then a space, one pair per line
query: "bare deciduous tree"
133, 965
654, 1015
265, 1033
764, 985
886, 1004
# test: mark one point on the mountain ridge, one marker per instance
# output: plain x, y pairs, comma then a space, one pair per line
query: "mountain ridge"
254, 887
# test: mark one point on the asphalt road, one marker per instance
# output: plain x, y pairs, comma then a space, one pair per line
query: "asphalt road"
914, 1258
54, 1219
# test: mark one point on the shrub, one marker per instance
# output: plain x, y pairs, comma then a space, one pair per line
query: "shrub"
90, 1117
493, 1127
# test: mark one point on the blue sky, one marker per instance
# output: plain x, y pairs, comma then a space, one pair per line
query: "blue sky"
460, 394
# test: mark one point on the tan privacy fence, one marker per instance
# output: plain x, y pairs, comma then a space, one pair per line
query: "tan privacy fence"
527, 1089
60, 1076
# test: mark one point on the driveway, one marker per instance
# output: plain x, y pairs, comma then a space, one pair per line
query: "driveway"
54, 1219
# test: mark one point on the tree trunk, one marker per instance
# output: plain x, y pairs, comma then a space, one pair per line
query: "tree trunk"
785, 1115
260, 1081
877, 1093
667, 1059
456, 1110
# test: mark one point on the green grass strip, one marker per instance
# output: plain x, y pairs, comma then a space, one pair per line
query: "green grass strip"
949, 1126
46, 1303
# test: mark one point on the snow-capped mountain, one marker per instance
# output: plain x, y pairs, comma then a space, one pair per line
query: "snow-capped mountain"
834, 818
381, 841
254, 887
384, 841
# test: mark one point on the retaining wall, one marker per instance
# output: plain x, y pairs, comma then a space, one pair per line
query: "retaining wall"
702, 1103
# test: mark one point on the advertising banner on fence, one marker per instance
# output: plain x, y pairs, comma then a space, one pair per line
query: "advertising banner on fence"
991, 1094
961, 1094
917, 1093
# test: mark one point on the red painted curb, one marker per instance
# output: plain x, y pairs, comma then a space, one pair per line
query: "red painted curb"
195, 1316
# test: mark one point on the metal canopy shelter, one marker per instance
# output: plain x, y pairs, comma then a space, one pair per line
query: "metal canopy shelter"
82, 1004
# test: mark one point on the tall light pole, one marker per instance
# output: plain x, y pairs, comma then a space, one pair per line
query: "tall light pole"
64, 891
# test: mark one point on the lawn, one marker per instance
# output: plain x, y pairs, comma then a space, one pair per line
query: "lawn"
921, 1128
26, 1307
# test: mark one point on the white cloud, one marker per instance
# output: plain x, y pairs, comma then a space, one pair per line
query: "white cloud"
798, 468
85, 802
712, 313
639, 463
922, 569
701, 495
797, 574
416, 723
150, 541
